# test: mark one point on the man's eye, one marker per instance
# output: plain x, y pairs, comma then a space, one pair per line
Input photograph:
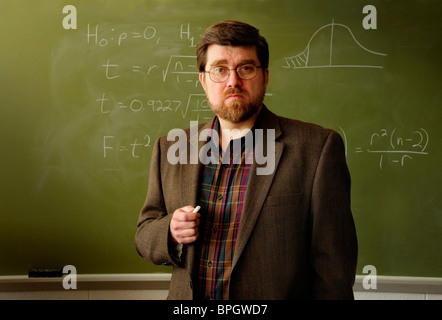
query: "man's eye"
247, 68
219, 70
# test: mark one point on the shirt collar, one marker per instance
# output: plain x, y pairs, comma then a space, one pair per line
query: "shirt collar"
231, 152
216, 127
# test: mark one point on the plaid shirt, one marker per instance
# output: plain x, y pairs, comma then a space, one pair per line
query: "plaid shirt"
221, 197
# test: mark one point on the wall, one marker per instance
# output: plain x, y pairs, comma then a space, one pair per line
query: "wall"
80, 109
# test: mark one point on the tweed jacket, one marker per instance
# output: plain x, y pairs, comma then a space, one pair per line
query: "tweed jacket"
296, 238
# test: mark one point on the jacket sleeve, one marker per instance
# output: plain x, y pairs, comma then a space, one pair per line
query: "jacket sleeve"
152, 235
334, 243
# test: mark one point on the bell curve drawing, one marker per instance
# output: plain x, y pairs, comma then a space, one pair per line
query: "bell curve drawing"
334, 46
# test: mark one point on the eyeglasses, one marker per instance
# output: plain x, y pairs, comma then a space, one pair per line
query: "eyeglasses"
221, 74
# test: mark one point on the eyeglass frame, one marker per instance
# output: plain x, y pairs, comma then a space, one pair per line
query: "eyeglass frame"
236, 70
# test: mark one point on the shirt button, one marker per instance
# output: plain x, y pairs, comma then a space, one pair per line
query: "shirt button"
219, 196
209, 264
215, 230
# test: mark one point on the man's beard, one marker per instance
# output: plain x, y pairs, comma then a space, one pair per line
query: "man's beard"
237, 110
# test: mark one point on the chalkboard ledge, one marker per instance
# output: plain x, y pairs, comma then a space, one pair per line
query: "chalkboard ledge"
151, 281
427, 285
161, 281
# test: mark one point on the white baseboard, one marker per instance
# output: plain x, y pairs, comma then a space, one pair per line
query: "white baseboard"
401, 284
161, 281
148, 281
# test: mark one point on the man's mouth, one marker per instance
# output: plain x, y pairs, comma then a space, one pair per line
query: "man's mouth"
233, 94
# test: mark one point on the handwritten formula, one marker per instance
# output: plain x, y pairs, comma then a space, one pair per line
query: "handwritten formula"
396, 147
175, 69
115, 37
195, 103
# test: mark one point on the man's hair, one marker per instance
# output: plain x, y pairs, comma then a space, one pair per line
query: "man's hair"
232, 33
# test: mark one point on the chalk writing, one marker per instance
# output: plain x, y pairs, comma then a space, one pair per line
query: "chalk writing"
177, 65
110, 74
178, 69
401, 148
112, 69
117, 38
196, 103
139, 104
110, 145
303, 61
185, 33
181, 65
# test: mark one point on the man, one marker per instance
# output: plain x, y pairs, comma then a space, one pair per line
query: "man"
287, 233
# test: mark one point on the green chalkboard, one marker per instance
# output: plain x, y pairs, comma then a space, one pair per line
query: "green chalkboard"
81, 108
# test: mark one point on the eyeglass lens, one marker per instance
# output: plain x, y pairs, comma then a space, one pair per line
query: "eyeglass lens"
221, 74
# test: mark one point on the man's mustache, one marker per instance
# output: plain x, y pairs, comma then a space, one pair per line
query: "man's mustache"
233, 91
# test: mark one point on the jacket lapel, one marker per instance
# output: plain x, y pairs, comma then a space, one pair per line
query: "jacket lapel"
257, 189
190, 172
258, 185
190, 177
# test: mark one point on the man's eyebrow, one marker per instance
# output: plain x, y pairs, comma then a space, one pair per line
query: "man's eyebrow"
218, 62
223, 61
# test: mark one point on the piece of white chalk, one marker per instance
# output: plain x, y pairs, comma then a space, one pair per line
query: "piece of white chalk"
196, 209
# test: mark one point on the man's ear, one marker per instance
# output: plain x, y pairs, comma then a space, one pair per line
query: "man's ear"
266, 75
202, 78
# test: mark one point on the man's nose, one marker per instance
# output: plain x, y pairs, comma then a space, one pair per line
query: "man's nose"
233, 80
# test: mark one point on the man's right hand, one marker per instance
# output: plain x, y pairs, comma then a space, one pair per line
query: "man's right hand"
184, 225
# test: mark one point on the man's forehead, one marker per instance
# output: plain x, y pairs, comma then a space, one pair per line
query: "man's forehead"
217, 54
